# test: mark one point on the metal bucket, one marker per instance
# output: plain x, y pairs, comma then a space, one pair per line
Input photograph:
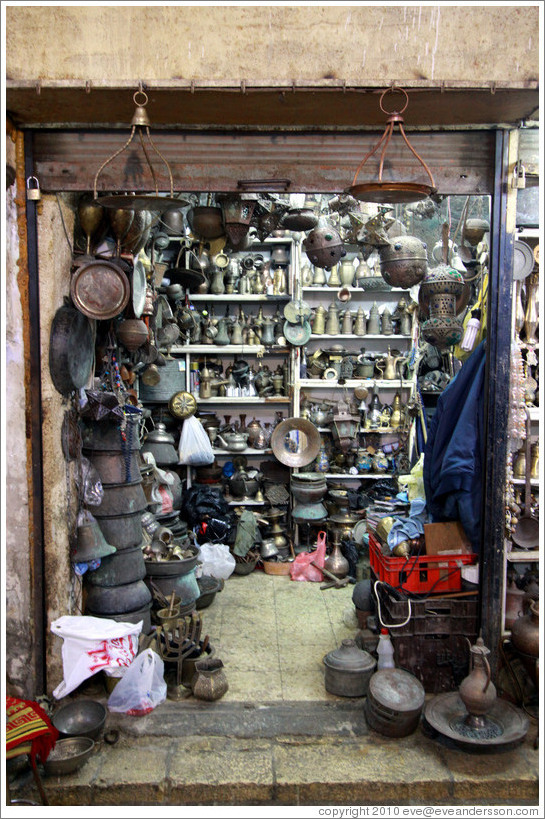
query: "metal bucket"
114, 468
184, 586
126, 566
122, 531
121, 499
106, 435
172, 380
394, 702
143, 613
117, 599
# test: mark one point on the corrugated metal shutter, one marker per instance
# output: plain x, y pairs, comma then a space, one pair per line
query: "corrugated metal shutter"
461, 161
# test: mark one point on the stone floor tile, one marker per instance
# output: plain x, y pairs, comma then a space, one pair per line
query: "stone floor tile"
253, 686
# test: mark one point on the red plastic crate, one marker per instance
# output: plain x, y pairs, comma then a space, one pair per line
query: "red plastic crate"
428, 574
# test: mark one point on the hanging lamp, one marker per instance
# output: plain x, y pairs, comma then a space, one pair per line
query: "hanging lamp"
133, 201
391, 192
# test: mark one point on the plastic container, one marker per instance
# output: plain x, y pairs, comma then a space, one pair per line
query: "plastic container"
385, 650
431, 574
432, 645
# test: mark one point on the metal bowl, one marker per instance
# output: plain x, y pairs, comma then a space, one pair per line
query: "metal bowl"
80, 718
295, 442
68, 755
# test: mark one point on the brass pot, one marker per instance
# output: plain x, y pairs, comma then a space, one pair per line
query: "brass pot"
348, 670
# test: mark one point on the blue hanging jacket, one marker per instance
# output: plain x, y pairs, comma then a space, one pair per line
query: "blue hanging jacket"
454, 452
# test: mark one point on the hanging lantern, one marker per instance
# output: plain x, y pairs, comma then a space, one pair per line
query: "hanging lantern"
391, 192
132, 201
440, 289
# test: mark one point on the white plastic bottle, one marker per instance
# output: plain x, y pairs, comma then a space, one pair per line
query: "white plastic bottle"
385, 650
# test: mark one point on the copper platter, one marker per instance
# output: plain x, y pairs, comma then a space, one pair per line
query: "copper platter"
301, 454
391, 193
100, 290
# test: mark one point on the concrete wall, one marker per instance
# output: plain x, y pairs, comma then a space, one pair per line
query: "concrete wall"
218, 42
17, 582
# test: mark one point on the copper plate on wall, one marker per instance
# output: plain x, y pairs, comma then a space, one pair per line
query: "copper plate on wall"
100, 290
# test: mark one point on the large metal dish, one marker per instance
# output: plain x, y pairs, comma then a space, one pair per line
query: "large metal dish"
80, 718
68, 755
391, 193
71, 349
100, 290
295, 442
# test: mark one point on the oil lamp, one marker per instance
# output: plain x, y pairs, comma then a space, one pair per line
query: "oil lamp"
345, 426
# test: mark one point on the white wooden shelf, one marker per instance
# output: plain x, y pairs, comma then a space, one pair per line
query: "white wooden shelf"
350, 383
381, 336
345, 476
247, 451
245, 502
521, 482
242, 349
522, 556
280, 399
357, 290
238, 297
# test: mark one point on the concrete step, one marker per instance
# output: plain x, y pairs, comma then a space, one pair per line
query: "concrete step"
190, 753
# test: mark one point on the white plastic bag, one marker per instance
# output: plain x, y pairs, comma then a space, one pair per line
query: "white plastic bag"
92, 644
142, 687
194, 447
216, 560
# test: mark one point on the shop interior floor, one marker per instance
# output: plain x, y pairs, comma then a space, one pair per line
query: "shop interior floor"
277, 737
272, 633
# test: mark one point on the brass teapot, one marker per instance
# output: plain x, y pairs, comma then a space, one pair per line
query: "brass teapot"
477, 691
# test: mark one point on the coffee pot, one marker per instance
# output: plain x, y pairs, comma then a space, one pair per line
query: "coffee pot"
347, 323
318, 277
266, 331
388, 366
386, 323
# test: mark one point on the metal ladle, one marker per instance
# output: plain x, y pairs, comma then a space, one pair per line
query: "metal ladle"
526, 533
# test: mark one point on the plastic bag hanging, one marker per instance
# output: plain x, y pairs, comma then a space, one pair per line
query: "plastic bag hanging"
194, 448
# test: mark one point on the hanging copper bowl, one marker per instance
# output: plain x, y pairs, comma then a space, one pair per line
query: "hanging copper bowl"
299, 219
100, 290
391, 193
71, 349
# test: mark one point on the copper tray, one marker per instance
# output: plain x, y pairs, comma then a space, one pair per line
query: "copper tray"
100, 290
391, 192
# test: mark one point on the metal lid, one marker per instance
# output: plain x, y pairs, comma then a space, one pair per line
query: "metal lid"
397, 690
348, 657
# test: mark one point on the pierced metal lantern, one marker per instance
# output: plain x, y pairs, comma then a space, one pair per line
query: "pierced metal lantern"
403, 261
441, 289
324, 246
345, 426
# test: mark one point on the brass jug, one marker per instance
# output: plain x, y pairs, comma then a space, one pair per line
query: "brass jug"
334, 278
477, 691
388, 366
386, 323
318, 277
360, 322
347, 323
373, 323
332, 327
396, 416
318, 322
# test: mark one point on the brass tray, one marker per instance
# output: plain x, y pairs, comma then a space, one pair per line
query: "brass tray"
100, 290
